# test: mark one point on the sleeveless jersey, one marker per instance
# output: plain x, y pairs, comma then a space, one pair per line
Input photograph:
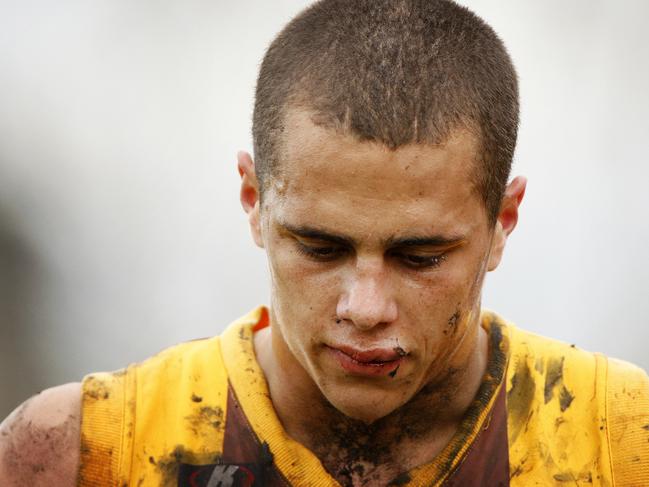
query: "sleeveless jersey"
200, 414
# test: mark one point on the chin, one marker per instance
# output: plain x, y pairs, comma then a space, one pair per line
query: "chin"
363, 406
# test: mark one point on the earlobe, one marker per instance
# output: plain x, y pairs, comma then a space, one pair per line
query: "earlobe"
249, 195
507, 219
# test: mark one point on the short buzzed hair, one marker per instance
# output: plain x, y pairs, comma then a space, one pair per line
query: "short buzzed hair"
396, 72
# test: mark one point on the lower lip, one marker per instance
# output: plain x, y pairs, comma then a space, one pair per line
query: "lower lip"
365, 368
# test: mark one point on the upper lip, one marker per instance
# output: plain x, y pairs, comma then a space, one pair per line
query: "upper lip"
371, 355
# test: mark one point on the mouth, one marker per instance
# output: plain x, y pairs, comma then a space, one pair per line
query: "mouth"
369, 363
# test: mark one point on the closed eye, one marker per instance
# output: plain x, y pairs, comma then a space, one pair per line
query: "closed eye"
323, 253
417, 260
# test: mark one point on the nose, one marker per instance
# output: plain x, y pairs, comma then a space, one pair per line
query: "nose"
367, 299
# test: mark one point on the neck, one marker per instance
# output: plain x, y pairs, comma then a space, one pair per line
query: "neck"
353, 451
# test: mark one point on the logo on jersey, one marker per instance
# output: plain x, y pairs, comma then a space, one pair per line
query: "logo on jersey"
218, 475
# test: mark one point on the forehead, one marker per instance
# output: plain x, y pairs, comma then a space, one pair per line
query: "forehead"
329, 174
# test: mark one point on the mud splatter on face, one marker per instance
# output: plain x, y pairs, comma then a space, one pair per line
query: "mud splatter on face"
451, 324
394, 372
400, 351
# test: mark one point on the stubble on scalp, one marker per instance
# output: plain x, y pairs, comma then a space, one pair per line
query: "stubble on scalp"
395, 72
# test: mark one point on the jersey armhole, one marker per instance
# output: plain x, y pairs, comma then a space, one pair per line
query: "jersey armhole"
107, 423
627, 406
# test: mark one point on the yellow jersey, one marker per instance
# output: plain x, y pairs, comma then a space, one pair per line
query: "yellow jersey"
200, 414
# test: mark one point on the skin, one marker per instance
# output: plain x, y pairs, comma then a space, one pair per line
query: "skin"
340, 225
374, 287
39, 441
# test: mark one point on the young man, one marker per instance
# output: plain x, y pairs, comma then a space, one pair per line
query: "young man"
384, 133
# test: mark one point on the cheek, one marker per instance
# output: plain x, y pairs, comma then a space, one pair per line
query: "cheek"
304, 301
294, 276
449, 288
442, 306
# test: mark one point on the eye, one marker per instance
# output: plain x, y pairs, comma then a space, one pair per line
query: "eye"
321, 252
416, 260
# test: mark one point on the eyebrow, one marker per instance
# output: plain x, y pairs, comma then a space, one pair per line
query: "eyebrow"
315, 233
432, 241
318, 234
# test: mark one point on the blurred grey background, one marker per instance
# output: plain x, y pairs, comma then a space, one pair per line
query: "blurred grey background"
120, 227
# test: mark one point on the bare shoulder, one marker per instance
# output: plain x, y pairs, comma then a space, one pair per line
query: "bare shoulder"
39, 441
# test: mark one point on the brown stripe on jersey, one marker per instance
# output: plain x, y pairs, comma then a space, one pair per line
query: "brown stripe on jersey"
486, 463
241, 445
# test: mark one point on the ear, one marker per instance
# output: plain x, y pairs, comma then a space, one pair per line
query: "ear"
249, 195
507, 219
